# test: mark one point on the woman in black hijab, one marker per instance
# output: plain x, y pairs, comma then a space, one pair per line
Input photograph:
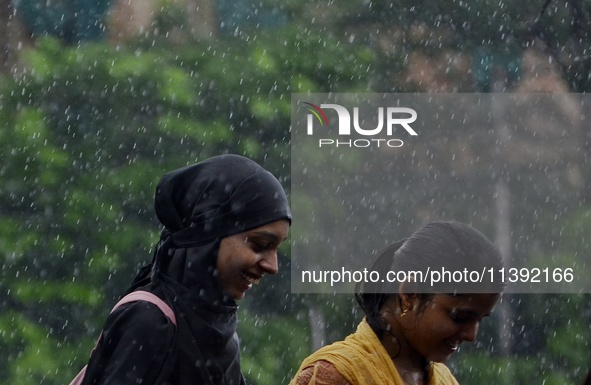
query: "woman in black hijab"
224, 219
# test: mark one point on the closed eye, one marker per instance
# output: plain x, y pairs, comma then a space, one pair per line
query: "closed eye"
260, 247
263, 240
461, 316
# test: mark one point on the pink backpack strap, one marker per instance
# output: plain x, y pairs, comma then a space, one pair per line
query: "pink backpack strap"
148, 297
132, 297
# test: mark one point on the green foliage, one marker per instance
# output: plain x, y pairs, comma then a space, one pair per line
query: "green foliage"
33, 353
550, 333
270, 347
87, 132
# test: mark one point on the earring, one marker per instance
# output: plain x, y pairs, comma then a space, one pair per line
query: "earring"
403, 314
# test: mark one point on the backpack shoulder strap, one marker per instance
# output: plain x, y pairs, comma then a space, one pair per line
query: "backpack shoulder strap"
141, 295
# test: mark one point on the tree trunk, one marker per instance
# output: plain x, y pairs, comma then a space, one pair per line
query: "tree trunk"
203, 18
8, 36
317, 326
586, 192
130, 18
503, 220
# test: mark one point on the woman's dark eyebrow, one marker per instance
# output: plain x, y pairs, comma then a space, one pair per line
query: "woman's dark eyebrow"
269, 234
472, 312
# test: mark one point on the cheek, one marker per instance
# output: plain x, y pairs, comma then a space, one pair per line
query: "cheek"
429, 339
433, 331
226, 258
236, 259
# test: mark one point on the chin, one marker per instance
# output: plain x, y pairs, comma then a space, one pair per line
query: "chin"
235, 295
442, 358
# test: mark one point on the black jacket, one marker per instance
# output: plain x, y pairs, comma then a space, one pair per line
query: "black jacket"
198, 205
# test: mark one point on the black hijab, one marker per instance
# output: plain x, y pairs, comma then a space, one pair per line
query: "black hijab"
199, 205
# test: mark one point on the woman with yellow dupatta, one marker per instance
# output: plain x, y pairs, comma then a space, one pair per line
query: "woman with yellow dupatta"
412, 327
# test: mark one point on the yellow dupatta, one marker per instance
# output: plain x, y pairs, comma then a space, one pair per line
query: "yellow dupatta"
362, 360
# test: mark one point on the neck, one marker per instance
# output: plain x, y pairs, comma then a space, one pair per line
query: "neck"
410, 364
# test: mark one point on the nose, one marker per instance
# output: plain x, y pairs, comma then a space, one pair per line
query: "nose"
269, 263
469, 332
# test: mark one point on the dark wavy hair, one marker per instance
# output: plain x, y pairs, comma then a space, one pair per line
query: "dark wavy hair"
436, 247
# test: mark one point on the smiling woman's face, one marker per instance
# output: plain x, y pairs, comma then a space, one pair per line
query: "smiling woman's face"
244, 258
435, 329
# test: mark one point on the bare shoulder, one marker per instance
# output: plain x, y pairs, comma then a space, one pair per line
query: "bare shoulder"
320, 373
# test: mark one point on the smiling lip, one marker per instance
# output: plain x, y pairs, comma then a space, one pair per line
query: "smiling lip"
452, 347
251, 279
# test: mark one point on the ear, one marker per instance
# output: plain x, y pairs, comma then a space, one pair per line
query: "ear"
408, 296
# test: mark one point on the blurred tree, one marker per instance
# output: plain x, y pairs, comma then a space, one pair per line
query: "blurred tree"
88, 131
